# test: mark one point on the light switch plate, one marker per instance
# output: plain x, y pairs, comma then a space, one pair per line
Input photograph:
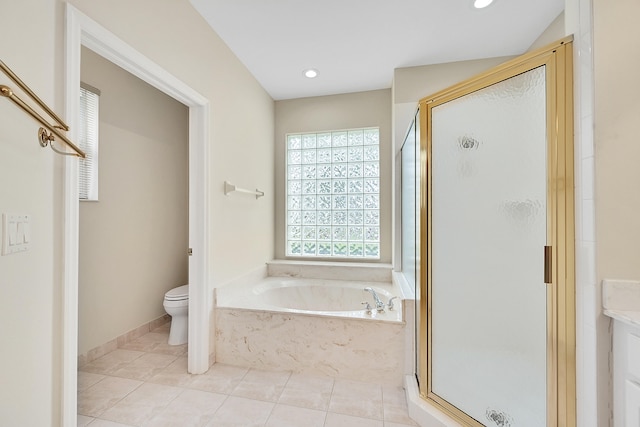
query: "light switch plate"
15, 233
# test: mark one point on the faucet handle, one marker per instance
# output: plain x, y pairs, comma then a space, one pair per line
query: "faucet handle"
367, 306
390, 303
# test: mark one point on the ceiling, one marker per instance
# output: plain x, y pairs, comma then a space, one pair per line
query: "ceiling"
356, 44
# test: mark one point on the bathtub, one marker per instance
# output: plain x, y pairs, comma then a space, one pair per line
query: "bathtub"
312, 326
316, 297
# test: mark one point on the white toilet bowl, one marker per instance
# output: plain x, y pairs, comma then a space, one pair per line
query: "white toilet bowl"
176, 304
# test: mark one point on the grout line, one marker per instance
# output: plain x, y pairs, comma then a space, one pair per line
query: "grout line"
270, 413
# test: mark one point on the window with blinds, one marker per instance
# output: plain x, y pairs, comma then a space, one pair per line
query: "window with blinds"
88, 141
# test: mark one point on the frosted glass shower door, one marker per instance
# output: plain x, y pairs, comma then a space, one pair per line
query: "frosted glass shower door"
488, 320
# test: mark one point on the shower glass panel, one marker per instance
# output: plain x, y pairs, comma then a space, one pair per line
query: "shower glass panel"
410, 167
489, 227
410, 206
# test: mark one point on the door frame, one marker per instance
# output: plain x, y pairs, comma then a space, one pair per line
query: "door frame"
561, 322
83, 31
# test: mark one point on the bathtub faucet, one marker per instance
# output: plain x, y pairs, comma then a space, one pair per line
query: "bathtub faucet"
379, 303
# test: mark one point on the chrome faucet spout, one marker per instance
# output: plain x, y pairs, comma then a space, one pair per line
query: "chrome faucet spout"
378, 301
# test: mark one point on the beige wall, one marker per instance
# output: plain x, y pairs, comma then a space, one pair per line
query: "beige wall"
555, 31
616, 103
353, 110
134, 240
617, 109
241, 149
414, 83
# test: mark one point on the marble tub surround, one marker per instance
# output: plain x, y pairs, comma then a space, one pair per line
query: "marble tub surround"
621, 300
308, 317
367, 272
355, 349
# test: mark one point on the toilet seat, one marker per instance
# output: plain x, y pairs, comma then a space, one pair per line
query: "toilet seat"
177, 294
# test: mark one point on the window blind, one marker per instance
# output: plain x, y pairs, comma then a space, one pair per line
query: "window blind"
88, 141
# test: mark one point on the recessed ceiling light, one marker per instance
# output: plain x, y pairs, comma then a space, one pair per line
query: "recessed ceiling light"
479, 4
310, 73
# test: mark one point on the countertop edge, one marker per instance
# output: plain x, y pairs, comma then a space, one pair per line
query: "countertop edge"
629, 317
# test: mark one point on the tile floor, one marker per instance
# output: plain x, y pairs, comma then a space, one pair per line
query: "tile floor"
145, 383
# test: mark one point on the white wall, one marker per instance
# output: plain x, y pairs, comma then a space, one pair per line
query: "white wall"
241, 148
28, 178
134, 240
335, 112
591, 337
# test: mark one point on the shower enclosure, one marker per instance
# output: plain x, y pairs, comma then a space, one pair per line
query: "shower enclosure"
488, 191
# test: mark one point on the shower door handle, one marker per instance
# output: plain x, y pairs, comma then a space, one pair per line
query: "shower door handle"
548, 266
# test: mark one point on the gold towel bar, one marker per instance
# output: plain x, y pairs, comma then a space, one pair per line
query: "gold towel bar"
55, 130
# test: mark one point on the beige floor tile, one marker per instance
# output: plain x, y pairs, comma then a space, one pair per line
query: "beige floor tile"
105, 423
164, 328
219, 378
392, 424
144, 367
142, 404
192, 408
341, 420
395, 406
84, 421
262, 385
307, 392
87, 379
241, 412
357, 398
146, 342
104, 394
292, 416
111, 393
112, 361
156, 342
175, 374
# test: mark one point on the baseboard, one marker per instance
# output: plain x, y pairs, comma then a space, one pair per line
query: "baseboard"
122, 340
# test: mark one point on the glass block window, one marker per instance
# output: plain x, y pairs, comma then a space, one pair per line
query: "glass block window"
333, 194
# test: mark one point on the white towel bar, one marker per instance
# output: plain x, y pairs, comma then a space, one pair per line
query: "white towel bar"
230, 188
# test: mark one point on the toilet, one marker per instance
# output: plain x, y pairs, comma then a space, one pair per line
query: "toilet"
176, 304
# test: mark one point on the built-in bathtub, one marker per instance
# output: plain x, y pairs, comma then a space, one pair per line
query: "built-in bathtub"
312, 325
315, 297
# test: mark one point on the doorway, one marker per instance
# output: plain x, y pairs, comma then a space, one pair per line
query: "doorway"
496, 332
134, 222
83, 31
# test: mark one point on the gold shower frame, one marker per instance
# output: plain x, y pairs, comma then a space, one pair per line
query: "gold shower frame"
561, 312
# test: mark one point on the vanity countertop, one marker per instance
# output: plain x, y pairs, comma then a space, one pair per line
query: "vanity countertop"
621, 300
627, 316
